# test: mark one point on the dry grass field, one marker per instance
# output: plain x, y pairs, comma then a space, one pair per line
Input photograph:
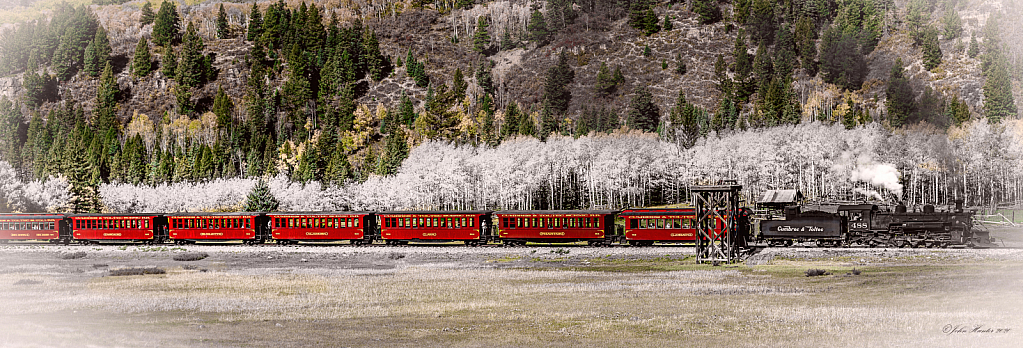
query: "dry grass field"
455, 296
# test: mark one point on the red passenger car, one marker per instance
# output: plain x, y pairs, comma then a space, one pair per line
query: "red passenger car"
32, 227
645, 226
291, 228
95, 228
516, 227
250, 228
402, 227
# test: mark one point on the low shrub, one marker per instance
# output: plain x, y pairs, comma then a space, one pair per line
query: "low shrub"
816, 272
71, 256
190, 256
136, 271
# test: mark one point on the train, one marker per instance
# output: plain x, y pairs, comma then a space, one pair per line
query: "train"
837, 226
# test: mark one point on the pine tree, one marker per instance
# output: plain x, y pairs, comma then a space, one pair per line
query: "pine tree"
953, 24
708, 11
556, 82
900, 102
740, 11
680, 67
743, 68
643, 113
97, 54
376, 63
762, 21
339, 171
191, 70
142, 63
106, 100
168, 62
724, 82
784, 52
806, 44
684, 118
537, 28
931, 49
458, 85
484, 79
255, 29
260, 199
510, 127
974, 49
527, 126
82, 189
223, 28
147, 14
667, 25
998, 100
395, 152
223, 107
606, 84
165, 31
481, 39
841, 59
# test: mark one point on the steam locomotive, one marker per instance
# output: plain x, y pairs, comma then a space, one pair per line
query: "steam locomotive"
868, 225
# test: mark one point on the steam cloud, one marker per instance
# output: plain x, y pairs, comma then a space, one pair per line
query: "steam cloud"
878, 175
865, 169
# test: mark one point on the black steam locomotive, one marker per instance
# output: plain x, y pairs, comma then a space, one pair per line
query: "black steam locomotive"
868, 225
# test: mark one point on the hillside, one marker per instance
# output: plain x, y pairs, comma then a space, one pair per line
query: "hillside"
339, 92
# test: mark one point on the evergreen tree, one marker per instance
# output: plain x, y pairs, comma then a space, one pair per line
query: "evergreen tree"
743, 68
527, 126
974, 49
97, 54
297, 89
142, 63
806, 44
376, 63
684, 118
83, 189
643, 113
548, 122
165, 31
556, 82
223, 107
900, 102
606, 84
740, 11
260, 199
106, 100
953, 24
511, 120
998, 100
724, 82
458, 85
395, 152
841, 59
680, 67
762, 21
763, 70
784, 52
223, 28
481, 39
147, 14
537, 28
667, 25
957, 110
255, 28
339, 171
484, 79
168, 62
931, 49
708, 11
191, 70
